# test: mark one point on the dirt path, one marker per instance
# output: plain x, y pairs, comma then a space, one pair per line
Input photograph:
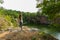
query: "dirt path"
3, 34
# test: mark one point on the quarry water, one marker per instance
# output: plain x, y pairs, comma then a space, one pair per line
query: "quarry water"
54, 34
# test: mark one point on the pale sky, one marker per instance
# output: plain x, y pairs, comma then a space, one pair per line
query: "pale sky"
21, 5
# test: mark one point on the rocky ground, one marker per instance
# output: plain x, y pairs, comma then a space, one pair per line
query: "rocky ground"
25, 34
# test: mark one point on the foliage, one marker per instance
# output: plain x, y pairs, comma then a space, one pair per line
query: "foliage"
28, 19
4, 24
10, 16
1, 1
52, 9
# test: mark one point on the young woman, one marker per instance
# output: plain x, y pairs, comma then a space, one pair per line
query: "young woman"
20, 21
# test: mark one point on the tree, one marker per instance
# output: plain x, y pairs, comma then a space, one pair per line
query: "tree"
1, 1
52, 9
49, 7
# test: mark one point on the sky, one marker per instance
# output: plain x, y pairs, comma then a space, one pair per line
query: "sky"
21, 5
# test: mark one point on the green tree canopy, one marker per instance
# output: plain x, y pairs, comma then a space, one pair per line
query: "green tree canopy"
1, 1
52, 9
49, 7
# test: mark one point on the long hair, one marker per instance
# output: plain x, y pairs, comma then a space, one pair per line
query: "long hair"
20, 16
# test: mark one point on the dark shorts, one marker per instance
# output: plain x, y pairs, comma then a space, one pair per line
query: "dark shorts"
20, 24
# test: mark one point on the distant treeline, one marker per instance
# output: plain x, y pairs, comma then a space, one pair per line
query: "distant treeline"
29, 18
32, 18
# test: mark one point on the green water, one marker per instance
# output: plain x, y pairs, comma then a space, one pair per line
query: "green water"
50, 30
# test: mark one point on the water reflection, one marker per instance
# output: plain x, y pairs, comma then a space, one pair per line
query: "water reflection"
55, 34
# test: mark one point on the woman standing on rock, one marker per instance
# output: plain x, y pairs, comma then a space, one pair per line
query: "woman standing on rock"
20, 20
